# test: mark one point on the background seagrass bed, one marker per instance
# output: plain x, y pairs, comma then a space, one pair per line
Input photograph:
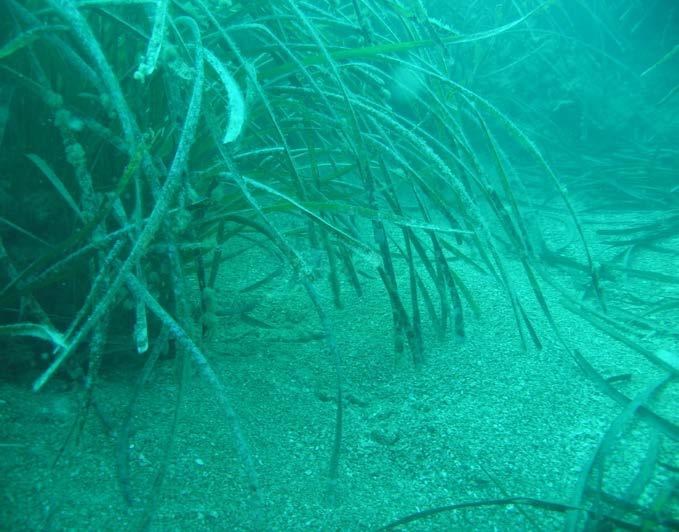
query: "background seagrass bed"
339, 265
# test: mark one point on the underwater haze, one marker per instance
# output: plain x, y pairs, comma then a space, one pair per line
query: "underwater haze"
339, 265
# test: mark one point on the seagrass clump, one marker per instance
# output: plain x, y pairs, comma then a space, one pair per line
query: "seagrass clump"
161, 133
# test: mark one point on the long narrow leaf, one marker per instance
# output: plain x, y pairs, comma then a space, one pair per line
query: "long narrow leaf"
35, 330
56, 182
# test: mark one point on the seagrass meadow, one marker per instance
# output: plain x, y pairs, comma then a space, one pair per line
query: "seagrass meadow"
339, 265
